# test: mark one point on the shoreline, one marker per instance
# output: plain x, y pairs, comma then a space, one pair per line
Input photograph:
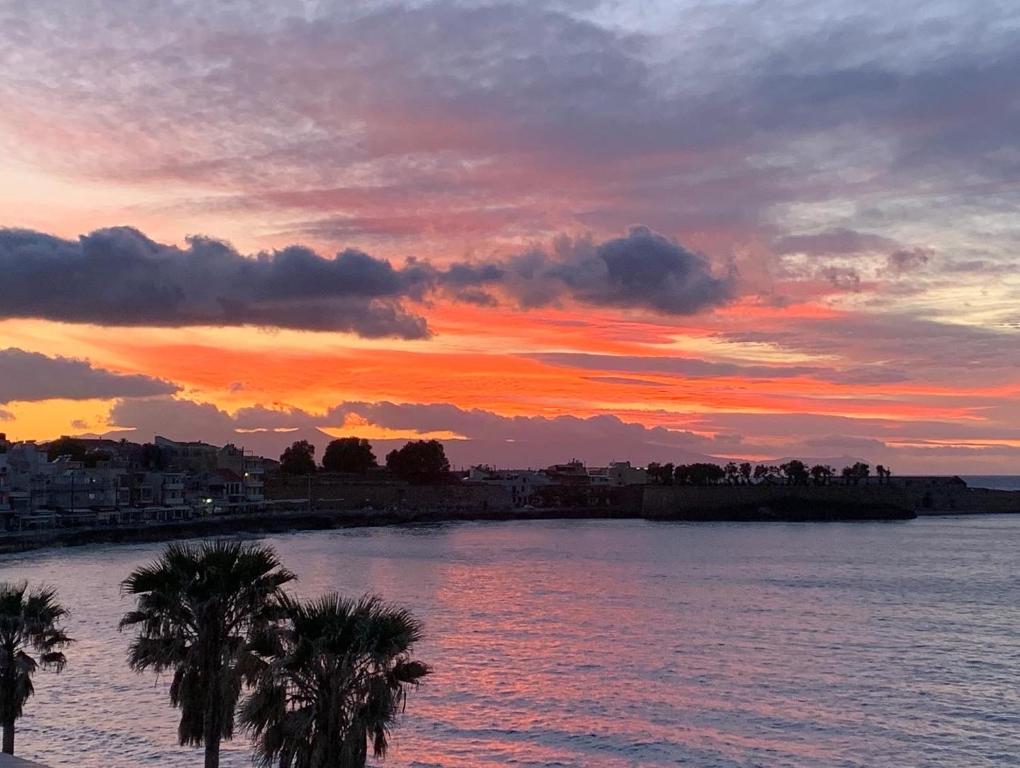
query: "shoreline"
275, 522
691, 505
282, 522
338, 501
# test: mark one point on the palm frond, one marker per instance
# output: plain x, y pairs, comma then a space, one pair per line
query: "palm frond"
335, 683
199, 610
29, 621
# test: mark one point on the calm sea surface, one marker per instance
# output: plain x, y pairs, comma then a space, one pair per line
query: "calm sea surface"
995, 482
596, 644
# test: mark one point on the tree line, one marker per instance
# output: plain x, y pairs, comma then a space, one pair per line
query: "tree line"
315, 683
424, 461
793, 472
419, 461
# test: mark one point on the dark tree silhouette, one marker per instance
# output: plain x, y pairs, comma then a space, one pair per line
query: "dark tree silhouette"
336, 681
298, 459
199, 610
795, 472
660, 473
93, 458
66, 446
699, 473
666, 473
29, 621
859, 471
151, 457
822, 474
745, 472
349, 454
420, 462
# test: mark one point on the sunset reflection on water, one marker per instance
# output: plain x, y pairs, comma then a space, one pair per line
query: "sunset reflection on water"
619, 643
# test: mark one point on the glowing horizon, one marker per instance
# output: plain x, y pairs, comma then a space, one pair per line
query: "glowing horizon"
530, 229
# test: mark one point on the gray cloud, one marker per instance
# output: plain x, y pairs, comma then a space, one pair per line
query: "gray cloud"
977, 266
816, 426
840, 241
930, 350
519, 119
643, 269
487, 436
845, 278
30, 376
868, 375
862, 446
120, 277
906, 260
694, 368
537, 441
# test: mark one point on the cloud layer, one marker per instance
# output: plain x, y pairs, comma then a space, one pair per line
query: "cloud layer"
483, 436
121, 277
536, 441
642, 270
30, 376
473, 170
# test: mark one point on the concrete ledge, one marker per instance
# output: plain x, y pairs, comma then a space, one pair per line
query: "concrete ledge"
6, 761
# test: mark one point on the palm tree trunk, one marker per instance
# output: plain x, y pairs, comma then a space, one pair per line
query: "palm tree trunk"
211, 726
211, 736
8, 748
212, 752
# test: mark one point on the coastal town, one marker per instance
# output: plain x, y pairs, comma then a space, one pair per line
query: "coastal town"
110, 482
76, 483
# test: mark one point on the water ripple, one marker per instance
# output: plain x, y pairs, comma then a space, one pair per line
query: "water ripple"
611, 644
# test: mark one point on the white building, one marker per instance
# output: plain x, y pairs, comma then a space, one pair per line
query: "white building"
521, 484
28, 476
617, 474
254, 478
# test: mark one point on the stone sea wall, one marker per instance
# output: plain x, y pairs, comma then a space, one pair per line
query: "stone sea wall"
920, 495
922, 498
338, 492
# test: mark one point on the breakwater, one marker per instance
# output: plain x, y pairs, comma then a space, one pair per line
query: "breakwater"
830, 501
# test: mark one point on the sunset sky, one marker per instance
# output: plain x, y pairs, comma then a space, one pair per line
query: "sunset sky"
655, 230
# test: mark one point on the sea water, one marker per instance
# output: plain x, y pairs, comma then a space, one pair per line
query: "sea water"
597, 644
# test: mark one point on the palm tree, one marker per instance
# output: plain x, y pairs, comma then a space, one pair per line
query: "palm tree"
199, 609
29, 620
337, 680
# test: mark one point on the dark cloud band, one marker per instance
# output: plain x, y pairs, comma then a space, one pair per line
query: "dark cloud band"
121, 277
